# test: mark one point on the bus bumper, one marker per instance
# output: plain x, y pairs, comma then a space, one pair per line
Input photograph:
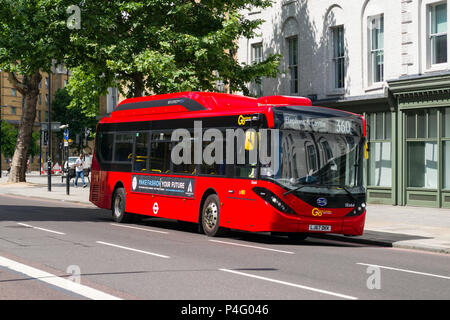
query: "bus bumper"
345, 225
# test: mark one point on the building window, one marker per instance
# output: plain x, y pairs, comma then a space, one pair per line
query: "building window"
46, 82
376, 61
338, 60
13, 111
46, 99
293, 63
438, 33
14, 92
40, 98
422, 148
257, 57
380, 160
446, 145
46, 116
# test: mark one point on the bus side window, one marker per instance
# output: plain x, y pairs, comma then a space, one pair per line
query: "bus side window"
105, 146
141, 152
160, 149
123, 147
218, 167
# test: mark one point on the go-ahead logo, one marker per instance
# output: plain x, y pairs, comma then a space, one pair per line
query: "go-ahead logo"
317, 212
242, 120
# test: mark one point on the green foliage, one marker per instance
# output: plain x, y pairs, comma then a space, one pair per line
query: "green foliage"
76, 117
157, 46
9, 137
31, 35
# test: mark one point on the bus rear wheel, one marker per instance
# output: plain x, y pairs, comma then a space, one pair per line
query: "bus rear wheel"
210, 216
118, 207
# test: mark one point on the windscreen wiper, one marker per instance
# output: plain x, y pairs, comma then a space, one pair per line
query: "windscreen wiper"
295, 189
322, 185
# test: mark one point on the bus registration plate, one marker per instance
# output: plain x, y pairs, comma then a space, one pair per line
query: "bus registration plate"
315, 227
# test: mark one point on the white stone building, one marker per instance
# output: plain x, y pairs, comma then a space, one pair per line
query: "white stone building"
386, 59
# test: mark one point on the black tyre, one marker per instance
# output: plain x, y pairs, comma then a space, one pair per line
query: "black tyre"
210, 216
118, 207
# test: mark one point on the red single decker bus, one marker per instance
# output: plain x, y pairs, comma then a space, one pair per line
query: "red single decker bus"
273, 164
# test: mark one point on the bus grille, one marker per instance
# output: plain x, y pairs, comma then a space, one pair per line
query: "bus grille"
95, 192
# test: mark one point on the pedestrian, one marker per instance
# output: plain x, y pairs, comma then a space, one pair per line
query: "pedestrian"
79, 164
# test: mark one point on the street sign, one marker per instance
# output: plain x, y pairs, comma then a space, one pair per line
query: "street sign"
54, 126
66, 135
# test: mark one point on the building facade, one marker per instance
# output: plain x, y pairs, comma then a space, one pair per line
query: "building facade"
386, 59
12, 104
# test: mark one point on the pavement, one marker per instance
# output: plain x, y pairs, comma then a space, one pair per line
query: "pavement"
406, 227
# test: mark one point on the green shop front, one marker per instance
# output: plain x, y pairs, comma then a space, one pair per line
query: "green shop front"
423, 140
409, 141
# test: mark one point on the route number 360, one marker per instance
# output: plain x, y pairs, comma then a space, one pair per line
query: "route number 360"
344, 126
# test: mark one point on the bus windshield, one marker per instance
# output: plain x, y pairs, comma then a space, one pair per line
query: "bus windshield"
310, 160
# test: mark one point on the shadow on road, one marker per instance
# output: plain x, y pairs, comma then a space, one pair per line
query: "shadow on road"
71, 213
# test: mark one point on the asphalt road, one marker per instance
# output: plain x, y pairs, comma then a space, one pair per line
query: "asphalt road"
59, 250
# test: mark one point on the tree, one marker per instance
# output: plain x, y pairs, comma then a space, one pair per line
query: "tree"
31, 40
9, 137
76, 117
158, 46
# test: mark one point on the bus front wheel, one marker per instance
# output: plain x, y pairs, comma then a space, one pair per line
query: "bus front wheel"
118, 206
210, 216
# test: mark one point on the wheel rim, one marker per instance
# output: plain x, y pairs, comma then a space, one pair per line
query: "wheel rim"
211, 214
118, 206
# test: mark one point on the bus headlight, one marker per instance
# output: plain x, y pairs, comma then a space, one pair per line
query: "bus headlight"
359, 209
273, 200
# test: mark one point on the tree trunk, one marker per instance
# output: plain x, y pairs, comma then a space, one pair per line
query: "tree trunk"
138, 85
30, 90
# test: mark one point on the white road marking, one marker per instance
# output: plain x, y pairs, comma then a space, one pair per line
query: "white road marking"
42, 229
54, 280
135, 250
254, 247
291, 284
137, 228
404, 270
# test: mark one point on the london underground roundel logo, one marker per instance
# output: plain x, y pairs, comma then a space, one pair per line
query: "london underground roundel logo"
322, 202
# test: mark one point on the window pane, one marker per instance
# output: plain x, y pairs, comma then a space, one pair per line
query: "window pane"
140, 161
422, 164
421, 124
160, 156
123, 147
378, 33
439, 49
380, 165
432, 123
446, 165
387, 125
439, 33
379, 130
446, 124
439, 19
293, 64
338, 56
372, 126
410, 125
105, 146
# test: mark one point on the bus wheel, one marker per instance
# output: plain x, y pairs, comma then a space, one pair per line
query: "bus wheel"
210, 215
118, 206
